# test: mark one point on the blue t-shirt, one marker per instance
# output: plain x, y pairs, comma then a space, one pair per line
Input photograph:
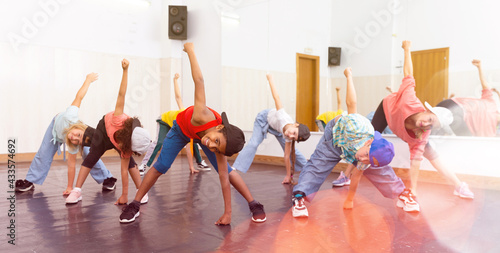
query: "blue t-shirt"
62, 121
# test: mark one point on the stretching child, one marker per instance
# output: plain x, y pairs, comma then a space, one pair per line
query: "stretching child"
474, 116
350, 137
121, 132
165, 123
277, 122
52, 140
218, 138
409, 120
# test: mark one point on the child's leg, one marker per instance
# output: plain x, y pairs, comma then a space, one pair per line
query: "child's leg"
172, 145
234, 178
162, 133
320, 165
99, 172
385, 180
40, 165
196, 153
247, 154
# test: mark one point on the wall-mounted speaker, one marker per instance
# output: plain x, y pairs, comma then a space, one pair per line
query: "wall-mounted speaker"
333, 56
177, 22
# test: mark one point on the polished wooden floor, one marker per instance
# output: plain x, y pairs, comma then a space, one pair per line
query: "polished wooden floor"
182, 210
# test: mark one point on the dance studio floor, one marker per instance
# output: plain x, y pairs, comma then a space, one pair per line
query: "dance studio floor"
182, 210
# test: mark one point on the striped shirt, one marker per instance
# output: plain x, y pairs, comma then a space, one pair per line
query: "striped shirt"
350, 134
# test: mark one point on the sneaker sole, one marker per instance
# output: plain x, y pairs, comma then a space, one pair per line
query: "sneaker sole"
74, 202
24, 190
109, 188
462, 196
259, 220
131, 220
400, 204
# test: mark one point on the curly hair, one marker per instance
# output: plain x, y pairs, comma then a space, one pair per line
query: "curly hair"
78, 125
124, 136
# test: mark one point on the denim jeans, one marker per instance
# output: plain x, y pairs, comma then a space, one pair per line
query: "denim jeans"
173, 144
260, 130
324, 159
40, 165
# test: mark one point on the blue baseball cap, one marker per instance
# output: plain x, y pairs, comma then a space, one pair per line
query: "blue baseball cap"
381, 151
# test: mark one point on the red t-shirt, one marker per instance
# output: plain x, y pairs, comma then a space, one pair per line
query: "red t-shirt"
398, 107
184, 121
480, 114
114, 123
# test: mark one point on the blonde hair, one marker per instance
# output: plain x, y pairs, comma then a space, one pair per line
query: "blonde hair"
78, 125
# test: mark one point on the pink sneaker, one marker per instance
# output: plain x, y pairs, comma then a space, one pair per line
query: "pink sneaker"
74, 196
463, 191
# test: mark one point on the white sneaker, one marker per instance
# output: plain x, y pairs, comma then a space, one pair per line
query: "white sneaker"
299, 208
203, 166
142, 169
144, 199
463, 191
74, 196
406, 200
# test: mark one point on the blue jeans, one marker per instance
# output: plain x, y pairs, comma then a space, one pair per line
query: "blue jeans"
326, 156
260, 130
173, 144
40, 165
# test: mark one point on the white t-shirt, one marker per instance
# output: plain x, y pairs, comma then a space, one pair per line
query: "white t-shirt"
62, 121
278, 119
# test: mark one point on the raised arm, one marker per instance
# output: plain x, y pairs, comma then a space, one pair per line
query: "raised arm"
276, 97
339, 101
389, 89
177, 90
350, 99
408, 65
83, 90
120, 101
199, 83
496, 91
477, 63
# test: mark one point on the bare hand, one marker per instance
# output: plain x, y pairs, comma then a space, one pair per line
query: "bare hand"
92, 77
125, 64
225, 219
348, 204
188, 47
476, 63
122, 200
269, 77
67, 191
337, 88
406, 44
176, 76
193, 171
348, 72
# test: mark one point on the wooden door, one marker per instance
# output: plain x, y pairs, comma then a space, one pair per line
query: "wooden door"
430, 69
307, 105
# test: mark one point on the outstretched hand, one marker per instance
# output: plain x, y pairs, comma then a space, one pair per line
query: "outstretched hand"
225, 219
406, 44
337, 88
125, 64
188, 46
176, 76
347, 72
269, 77
92, 77
476, 63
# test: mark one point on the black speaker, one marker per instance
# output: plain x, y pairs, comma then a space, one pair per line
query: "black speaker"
177, 22
333, 56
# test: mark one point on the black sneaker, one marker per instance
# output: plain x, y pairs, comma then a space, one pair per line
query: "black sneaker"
257, 209
23, 185
109, 184
129, 213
